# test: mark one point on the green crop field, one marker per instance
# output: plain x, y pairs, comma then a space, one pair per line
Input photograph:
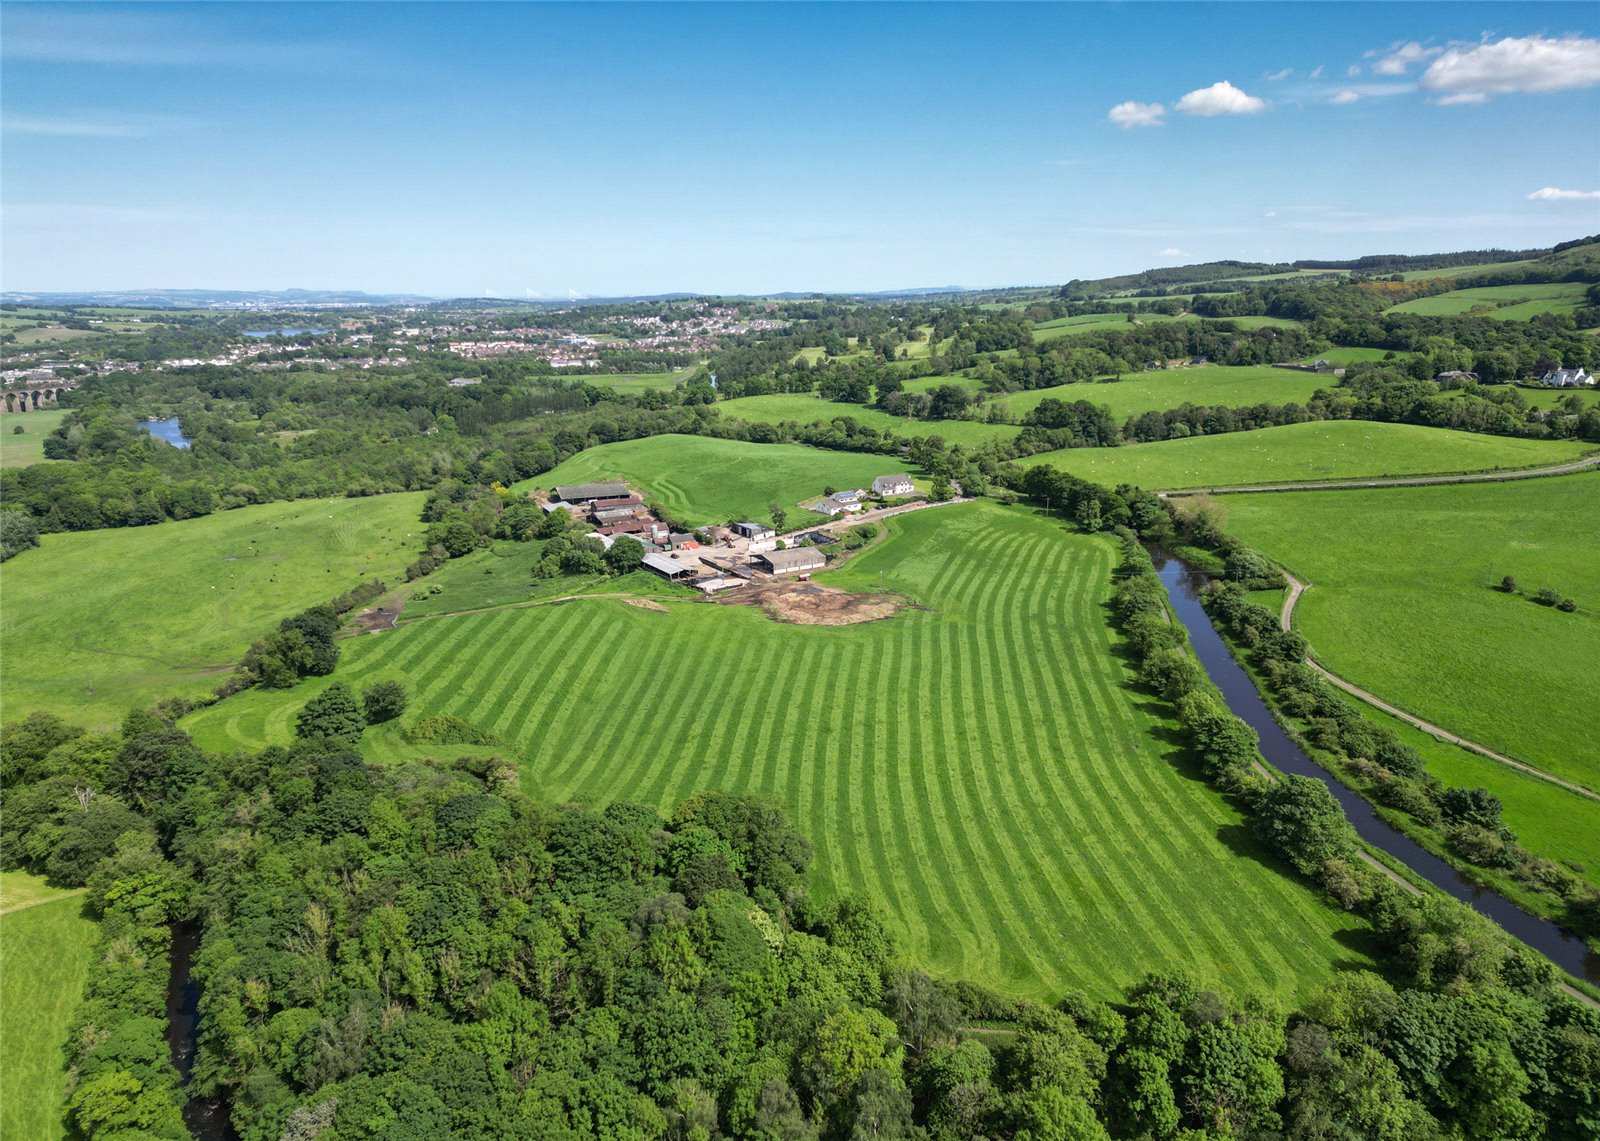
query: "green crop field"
1503, 302
704, 481
1402, 604
1329, 449
805, 408
982, 764
46, 960
27, 447
99, 621
1161, 389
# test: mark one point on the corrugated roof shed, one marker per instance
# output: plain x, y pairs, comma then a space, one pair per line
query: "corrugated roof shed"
794, 559
583, 492
667, 565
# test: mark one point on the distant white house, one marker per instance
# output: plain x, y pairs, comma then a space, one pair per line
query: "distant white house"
1567, 378
831, 505
849, 495
886, 485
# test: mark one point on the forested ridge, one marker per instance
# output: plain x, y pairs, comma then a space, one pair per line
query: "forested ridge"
426, 951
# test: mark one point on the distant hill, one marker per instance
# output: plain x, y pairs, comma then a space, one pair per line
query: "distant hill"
215, 298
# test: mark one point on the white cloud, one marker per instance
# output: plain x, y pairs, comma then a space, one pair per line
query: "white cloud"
1462, 98
1132, 114
1271, 214
1353, 70
1170, 252
1551, 194
1221, 98
1398, 57
1346, 96
1317, 73
1277, 75
1526, 64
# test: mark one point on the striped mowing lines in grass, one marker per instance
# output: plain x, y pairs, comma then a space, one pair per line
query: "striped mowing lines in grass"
980, 765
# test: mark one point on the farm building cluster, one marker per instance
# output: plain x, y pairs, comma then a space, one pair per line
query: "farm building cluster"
720, 557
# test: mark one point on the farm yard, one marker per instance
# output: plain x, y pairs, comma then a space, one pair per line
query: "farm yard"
715, 480
47, 942
1046, 807
1331, 449
105, 620
1161, 389
1403, 604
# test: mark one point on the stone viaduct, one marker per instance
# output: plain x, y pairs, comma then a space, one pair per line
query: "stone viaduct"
36, 394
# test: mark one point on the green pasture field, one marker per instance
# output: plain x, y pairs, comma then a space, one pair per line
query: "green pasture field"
28, 447
638, 381
51, 334
502, 576
1100, 323
1328, 449
1541, 397
1342, 355
983, 764
1522, 301
1460, 270
1257, 322
1403, 605
807, 408
928, 383
703, 481
46, 951
1160, 389
97, 622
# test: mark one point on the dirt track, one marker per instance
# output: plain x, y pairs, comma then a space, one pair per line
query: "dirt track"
811, 604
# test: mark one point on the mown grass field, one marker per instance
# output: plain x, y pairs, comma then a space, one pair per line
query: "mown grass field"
1502, 302
27, 447
1099, 323
501, 576
807, 408
46, 950
99, 621
1460, 270
981, 765
1341, 355
1329, 449
1403, 605
704, 481
1161, 389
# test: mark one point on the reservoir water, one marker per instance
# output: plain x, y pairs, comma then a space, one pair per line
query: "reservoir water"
165, 429
1183, 585
291, 332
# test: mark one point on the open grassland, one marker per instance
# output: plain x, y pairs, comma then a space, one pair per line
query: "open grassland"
18, 449
928, 383
634, 381
806, 408
1342, 355
1161, 389
99, 621
501, 576
1329, 449
704, 481
1503, 302
1540, 397
1461, 270
981, 764
46, 951
1403, 605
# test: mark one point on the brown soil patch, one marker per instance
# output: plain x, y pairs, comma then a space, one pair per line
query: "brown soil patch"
645, 604
808, 604
375, 618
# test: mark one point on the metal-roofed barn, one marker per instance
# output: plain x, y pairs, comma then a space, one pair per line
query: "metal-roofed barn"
669, 568
584, 492
793, 561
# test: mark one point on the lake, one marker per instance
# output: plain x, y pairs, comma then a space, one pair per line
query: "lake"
280, 332
166, 429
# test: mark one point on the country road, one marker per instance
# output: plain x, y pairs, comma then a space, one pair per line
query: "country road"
1297, 588
1581, 464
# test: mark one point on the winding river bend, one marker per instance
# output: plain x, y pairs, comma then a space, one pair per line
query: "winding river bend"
1183, 585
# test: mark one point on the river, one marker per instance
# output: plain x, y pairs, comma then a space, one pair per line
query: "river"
207, 1120
1183, 585
166, 428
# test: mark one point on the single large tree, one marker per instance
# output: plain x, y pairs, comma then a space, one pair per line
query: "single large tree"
332, 715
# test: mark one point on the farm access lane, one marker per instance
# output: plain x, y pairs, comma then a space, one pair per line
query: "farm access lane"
1297, 588
1581, 464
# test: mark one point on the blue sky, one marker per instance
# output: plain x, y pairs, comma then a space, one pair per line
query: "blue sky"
550, 150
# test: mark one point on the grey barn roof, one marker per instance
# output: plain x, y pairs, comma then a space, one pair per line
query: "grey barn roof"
584, 491
796, 559
667, 565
